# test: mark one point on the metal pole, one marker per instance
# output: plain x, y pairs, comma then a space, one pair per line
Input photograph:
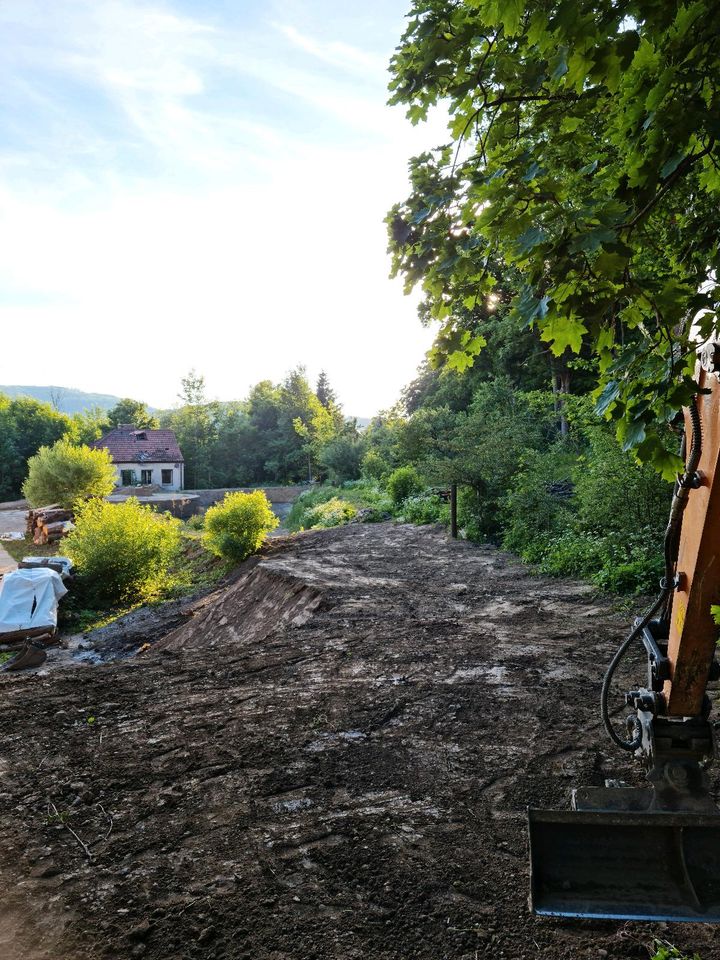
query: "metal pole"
453, 511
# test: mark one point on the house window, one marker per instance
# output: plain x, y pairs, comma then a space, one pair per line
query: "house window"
166, 477
146, 476
127, 478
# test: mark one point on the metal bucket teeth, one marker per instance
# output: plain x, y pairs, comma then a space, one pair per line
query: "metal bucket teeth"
625, 866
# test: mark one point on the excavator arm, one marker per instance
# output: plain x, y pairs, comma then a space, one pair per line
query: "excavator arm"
653, 852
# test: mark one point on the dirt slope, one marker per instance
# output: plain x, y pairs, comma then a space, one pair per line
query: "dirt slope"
331, 759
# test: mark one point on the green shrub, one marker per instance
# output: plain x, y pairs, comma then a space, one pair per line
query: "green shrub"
374, 466
238, 525
297, 518
65, 473
426, 508
614, 491
470, 512
196, 522
403, 483
628, 562
122, 551
362, 494
332, 513
540, 503
380, 511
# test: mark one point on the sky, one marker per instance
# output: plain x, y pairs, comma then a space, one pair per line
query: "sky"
201, 184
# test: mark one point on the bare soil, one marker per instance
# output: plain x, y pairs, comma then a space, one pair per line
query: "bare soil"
331, 757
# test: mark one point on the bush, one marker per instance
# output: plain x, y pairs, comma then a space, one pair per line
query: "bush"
332, 513
297, 518
403, 483
427, 508
373, 466
122, 551
380, 511
65, 473
361, 494
628, 562
540, 504
239, 525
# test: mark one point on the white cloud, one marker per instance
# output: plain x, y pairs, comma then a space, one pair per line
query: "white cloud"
338, 54
248, 250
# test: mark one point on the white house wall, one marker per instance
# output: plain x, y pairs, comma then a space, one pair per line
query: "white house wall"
177, 473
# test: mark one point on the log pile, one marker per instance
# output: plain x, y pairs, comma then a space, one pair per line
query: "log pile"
49, 524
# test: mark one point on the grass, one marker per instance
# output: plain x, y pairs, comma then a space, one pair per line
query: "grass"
26, 548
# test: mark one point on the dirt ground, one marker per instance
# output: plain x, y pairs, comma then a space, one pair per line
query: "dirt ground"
331, 758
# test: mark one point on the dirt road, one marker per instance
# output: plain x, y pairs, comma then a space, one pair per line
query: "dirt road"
332, 758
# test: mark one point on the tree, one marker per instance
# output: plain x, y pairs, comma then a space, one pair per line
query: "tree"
195, 425
134, 412
65, 473
584, 172
88, 425
324, 392
303, 425
25, 426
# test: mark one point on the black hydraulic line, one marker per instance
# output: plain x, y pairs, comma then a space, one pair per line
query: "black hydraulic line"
680, 494
633, 744
671, 546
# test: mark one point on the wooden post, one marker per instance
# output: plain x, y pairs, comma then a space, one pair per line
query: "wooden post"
453, 511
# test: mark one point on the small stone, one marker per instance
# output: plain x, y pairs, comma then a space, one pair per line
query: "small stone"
140, 931
44, 871
205, 935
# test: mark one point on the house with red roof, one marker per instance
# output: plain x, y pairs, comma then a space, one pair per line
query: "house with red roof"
144, 457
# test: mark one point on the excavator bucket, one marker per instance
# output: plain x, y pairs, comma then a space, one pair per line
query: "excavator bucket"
625, 865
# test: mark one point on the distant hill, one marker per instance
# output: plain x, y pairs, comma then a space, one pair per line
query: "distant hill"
68, 400
64, 399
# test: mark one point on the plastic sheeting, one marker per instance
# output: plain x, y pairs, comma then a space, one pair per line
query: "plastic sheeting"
64, 562
29, 599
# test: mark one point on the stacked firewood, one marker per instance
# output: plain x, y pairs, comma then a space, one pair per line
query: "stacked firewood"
49, 524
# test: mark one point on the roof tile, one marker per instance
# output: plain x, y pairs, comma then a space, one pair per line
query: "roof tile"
125, 446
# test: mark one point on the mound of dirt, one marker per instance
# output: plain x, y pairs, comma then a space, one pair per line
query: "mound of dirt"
330, 758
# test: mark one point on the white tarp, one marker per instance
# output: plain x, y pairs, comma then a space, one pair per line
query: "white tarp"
29, 599
64, 562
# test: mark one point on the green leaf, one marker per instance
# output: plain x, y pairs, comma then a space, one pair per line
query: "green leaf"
672, 164
510, 13
529, 239
562, 331
558, 64
606, 400
533, 171
460, 361
631, 434
591, 240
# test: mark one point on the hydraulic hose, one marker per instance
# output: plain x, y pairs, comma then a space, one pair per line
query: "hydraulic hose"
633, 744
671, 546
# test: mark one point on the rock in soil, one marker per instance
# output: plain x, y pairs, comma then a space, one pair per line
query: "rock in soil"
331, 758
